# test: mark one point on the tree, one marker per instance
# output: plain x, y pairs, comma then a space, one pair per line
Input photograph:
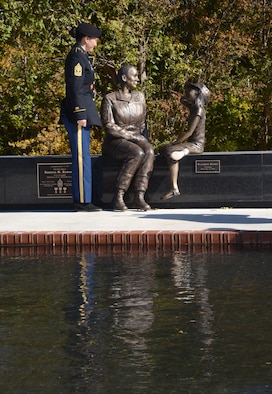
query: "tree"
236, 65
32, 78
225, 44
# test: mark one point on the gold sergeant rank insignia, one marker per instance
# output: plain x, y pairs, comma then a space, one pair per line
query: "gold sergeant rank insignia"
78, 70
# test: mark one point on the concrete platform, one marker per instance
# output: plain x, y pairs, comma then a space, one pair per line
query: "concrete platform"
158, 227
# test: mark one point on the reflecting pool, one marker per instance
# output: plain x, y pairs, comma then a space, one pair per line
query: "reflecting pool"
113, 320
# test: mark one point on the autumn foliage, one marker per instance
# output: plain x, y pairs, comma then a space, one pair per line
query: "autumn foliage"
225, 44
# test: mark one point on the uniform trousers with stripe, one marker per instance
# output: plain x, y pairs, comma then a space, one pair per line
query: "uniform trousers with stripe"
79, 138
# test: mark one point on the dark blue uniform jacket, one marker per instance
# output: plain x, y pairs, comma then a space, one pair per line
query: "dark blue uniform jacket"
79, 77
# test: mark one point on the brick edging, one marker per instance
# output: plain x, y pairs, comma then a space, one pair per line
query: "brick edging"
146, 238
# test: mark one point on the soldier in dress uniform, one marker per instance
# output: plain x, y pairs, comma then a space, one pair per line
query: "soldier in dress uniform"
79, 112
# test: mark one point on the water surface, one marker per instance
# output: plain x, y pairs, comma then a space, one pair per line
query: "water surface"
134, 321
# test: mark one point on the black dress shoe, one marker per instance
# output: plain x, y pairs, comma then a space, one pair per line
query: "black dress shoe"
87, 207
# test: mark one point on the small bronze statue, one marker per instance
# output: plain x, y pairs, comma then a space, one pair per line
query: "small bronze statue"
197, 95
123, 116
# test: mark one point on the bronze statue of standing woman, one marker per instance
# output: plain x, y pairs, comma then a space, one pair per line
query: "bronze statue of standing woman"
123, 116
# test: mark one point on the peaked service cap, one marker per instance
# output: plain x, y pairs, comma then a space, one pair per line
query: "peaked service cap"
86, 29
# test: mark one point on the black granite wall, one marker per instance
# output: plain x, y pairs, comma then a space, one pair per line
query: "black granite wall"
236, 179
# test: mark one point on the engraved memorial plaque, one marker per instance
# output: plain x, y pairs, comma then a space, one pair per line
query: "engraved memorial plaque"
207, 166
54, 180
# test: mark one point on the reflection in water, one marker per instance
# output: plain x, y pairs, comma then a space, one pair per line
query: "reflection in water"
118, 321
132, 303
127, 311
182, 276
190, 277
86, 285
